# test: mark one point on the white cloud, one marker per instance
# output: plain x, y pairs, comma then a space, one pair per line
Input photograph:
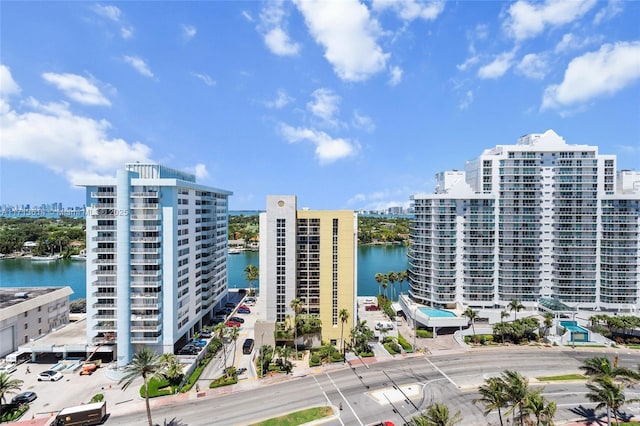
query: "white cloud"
126, 32
396, 76
325, 104
480, 32
528, 20
139, 65
200, 170
572, 42
595, 74
77, 88
282, 99
8, 86
498, 67
534, 66
363, 122
205, 79
348, 34
110, 12
613, 8
247, 16
272, 23
409, 10
328, 149
383, 199
71, 145
188, 31
466, 101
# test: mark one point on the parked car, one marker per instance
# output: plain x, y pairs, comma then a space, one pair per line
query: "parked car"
232, 324
188, 350
197, 343
244, 310
24, 398
8, 368
240, 371
237, 319
205, 334
229, 305
49, 376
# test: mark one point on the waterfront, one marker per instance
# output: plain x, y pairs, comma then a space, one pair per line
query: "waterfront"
25, 273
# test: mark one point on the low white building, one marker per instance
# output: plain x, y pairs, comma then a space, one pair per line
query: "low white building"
27, 314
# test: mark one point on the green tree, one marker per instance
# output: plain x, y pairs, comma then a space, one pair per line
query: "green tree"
437, 414
264, 359
600, 366
234, 334
493, 396
392, 277
516, 386
172, 368
344, 317
145, 364
538, 406
606, 393
8, 386
473, 316
548, 322
220, 331
380, 277
296, 305
401, 276
251, 274
516, 306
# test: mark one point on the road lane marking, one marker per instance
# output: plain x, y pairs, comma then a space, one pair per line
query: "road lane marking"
328, 400
345, 400
441, 372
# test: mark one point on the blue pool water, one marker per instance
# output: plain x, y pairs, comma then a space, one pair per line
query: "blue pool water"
578, 334
436, 313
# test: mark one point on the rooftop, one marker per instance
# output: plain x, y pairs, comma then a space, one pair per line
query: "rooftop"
11, 296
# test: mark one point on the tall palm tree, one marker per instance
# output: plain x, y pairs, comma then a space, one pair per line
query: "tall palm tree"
548, 322
234, 334
344, 317
516, 386
251, 274
220, 331
146, 364
541, 409
438, 415
379, 278
401, 276
296, 305
8, 386
515, 305
172, 367
473, 316
600, 366
493, 396
392, 277
385, 284
606, 393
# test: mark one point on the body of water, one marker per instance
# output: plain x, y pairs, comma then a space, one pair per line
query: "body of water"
25, 273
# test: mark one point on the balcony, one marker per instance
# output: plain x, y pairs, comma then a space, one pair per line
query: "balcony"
144, 206
145, 339
146, 273
103, 228
146, 328
102, 194
111, 239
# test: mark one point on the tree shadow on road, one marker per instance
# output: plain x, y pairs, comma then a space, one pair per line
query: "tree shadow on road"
589, 415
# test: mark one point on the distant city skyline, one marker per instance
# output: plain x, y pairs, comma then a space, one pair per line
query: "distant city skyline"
350, 105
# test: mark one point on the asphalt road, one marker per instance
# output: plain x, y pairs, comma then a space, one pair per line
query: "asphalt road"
368, 394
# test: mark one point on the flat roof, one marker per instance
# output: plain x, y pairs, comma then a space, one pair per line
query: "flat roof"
10, 296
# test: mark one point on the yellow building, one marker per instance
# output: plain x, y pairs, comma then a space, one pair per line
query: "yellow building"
310, 255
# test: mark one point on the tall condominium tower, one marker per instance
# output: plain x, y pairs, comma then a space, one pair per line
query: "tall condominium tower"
156, 257
308, 255
540, 220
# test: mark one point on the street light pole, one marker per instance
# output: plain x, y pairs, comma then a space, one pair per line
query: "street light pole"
415, 329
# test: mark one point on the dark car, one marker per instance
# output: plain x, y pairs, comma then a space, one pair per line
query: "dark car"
24, 397
244, 311
229, 305
237, 319
188, 351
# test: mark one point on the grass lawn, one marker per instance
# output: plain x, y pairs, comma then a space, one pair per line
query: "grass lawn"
560, 378
299, 417
633, 346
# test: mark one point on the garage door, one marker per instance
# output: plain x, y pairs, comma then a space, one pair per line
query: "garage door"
6, 341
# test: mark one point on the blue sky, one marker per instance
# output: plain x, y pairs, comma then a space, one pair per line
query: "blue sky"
345, 104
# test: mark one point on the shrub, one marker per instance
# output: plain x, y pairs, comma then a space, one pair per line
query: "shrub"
314, 360
223, 381
403, 342
157, 388
423, 334
11, 412
392, 348
97, 398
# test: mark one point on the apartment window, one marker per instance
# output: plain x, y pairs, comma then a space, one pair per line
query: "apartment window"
39, 320
39, 308
26, 314
26, 326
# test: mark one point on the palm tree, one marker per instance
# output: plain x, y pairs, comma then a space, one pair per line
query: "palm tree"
344, 317
251, 274
401, 276
379, 278
296, 305
600, 366
385, 284
548, 322
493, 396
146, 364
220, 331
606, 393
516, 386
172, 367
234, 334
537, 405
438, 415
473, 316
392, 277
8, 386
515, 305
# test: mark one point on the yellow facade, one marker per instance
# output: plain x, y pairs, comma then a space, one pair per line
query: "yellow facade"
345, 268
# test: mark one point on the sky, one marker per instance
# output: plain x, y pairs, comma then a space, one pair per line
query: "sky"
346, 104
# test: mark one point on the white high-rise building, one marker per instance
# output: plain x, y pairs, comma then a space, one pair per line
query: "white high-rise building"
538, 220
156, 257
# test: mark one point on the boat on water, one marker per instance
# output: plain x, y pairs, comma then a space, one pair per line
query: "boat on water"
234, 251
45, 258
81, 256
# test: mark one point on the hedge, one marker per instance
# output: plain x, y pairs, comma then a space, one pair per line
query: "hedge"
223, 381
403, 342
423, 334
157, 388
392, 348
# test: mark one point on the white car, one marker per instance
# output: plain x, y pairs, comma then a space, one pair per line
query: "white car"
8, 368
49, 376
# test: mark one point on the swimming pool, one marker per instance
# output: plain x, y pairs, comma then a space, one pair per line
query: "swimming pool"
436, 313
578, 334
